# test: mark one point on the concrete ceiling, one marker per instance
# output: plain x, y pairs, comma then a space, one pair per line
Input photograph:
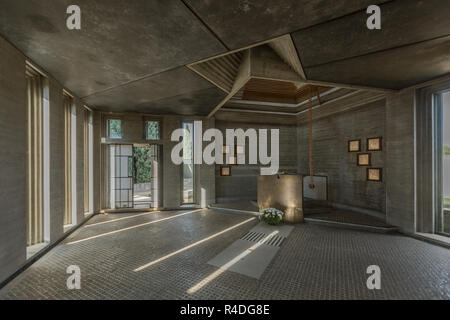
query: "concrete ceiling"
241, 23
148, 95
119, 42
411, 47
131, 55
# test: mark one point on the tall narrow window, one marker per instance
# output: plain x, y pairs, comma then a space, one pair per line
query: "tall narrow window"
35, 150
445, 218
68, 165
432, 168
114, 129
87, 123
188, 163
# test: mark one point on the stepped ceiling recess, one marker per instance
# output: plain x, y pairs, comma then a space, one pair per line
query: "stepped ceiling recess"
197, 57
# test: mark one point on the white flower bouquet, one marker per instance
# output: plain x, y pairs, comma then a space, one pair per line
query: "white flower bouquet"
271, 216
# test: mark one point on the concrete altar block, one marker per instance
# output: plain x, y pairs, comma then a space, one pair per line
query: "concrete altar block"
283, 192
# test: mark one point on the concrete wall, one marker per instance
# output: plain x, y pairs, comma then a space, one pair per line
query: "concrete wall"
172, 196
80, 161
97, 123
400, 198
347, 182
13, 143
56, 160
242, 184
207, 179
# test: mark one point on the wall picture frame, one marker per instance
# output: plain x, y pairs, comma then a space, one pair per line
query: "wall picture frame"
363, 159
354, 145
225, 171
375, 174
374, 144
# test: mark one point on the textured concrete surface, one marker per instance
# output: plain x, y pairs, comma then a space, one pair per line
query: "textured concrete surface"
56, 160
194, 103
177, 91
347, 182
114, 61
397, 68
118, 41
13, 140
242, 184
171, 172
13, 119
313, 263
404, 22
400, 167
266, 19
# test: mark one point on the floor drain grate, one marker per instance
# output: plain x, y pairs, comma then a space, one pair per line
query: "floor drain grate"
275, 241
253, 236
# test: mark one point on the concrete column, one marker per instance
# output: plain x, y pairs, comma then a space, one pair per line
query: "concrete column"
400, 171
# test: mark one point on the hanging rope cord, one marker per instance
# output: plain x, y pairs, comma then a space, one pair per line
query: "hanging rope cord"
311, 167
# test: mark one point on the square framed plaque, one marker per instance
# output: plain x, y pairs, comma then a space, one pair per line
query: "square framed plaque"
225, 171
363, 159
354, 145
374, 174
374, 144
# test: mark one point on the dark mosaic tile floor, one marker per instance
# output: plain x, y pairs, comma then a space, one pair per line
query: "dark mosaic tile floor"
346, 216
315, 262
238, 205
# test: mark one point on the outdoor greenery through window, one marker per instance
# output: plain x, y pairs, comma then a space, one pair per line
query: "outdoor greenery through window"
188, 162
152, 130
114, 129
143, 165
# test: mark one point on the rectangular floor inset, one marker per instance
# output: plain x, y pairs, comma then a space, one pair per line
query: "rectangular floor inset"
254, 251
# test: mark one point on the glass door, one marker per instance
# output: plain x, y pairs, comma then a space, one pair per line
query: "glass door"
121, 173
